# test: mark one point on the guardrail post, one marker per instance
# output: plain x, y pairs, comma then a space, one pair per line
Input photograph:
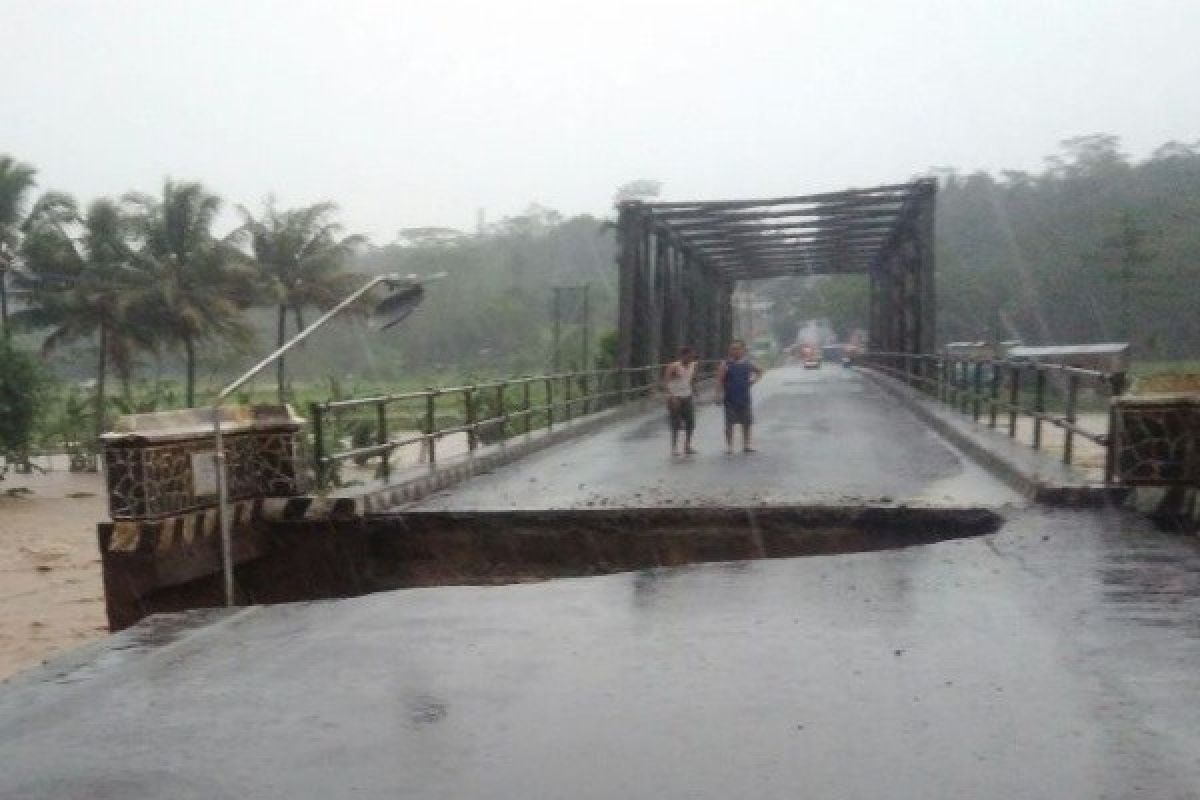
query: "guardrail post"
1039, 406
1014, 397
1116, 384
431, 425
623, 386
964, 380
316, 414
382, 437
502, 409
567, 398
587, 402
951, 388
951, 384
1111, 443
527, 404
1069, 432
948, 382
549, 404
994, 395
977, 390
469, 412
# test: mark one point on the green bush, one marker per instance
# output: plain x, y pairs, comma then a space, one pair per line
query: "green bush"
21, 384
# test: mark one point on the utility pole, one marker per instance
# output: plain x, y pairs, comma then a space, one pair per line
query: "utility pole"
586, 326
557, 329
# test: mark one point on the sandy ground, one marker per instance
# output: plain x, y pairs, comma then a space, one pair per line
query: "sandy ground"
51, 597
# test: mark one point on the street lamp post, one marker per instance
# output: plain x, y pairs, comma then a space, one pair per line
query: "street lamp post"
407, 293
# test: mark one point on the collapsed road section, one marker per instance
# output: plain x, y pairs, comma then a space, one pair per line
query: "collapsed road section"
307, 559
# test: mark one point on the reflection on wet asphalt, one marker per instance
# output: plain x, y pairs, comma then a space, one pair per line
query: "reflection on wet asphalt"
1056, 658
823, 436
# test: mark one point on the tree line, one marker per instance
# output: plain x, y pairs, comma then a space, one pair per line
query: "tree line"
146, 273
1094, 247
144, 279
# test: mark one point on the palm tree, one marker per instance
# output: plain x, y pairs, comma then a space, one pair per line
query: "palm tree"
83, 286
200, 285
16, 180
302, 259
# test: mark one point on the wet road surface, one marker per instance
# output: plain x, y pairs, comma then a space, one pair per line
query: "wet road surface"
1056, 658
823, 436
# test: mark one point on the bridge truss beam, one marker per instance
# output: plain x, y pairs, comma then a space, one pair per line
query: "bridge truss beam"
679, 262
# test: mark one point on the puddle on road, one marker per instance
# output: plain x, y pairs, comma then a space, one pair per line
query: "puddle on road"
117, 651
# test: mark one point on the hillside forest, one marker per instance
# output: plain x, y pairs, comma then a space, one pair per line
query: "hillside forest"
1095, 247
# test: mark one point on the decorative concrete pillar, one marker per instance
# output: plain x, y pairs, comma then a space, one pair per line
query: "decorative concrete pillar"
162, 463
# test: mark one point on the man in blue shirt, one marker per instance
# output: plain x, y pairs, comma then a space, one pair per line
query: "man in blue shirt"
735, 376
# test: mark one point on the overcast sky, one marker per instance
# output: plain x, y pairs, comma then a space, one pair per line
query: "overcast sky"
418, 113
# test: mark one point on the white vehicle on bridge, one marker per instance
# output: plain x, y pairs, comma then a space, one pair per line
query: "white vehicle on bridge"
808, 355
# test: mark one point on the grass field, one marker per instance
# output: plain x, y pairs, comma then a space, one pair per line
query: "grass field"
1186, 367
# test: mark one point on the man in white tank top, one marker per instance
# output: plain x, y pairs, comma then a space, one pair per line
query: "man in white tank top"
679, 385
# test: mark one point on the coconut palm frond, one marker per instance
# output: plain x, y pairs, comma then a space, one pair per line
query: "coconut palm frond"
16, 181
56, 211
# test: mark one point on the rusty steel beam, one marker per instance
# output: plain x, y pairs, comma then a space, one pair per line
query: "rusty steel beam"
815, 267
791, 272
799, 252
832, 214
709, 239
784, 242
898, 190
712, 226
785, 233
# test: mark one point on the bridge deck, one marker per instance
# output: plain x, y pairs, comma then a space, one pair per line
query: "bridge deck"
823, 436
1056, 658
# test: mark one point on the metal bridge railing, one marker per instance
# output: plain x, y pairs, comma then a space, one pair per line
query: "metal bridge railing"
360, 429
1005, 390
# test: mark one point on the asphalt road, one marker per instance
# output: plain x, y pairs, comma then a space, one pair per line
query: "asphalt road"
823, 436
1054, 659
